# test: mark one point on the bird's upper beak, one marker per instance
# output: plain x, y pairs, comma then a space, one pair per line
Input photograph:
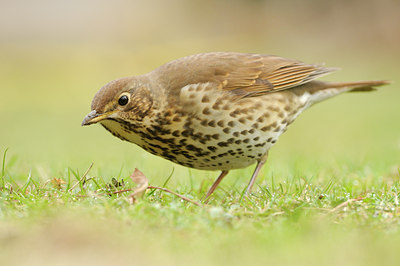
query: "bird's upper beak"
94, 117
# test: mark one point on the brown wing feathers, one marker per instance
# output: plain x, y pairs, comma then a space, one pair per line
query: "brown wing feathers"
269, 74
245, 75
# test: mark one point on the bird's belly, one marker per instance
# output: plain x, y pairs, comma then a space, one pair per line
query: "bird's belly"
211, 150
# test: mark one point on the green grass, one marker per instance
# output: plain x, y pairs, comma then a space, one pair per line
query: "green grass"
292, 221
327, 196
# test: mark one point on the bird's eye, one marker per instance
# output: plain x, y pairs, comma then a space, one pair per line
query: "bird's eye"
123, 100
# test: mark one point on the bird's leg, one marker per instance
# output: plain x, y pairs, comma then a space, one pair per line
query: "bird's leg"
215, 185
260, 163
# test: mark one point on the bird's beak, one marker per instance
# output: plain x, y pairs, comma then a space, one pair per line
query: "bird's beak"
93, 117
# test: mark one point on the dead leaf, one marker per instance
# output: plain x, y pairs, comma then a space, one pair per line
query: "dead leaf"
57, 182
142, 183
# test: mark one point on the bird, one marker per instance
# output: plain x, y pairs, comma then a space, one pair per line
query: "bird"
216, 110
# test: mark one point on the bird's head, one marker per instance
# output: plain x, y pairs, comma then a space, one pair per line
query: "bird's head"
121, 99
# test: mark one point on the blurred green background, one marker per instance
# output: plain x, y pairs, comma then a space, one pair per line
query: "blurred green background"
54, 56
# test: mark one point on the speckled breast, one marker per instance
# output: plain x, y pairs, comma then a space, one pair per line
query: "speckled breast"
213, 133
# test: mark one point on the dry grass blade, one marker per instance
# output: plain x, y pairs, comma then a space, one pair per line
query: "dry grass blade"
344, 204
83, 177
176, 194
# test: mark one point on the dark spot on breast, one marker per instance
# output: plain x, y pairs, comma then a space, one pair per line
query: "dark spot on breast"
221, 123
215, 106
281, 100
176, 118
153, 151
234, 113
244, 132
203, 141
211, 123
246, 140
256, 138
251, 131
231, 123
227, 130
260, 144
273, 108
242, 120
255, 125
187, 155
287, 108
206, 111
186, 133
269, 139
222, 144
212, 148
205, 99
204, 122
266, 128
215, 136
273, 141
236, 134
226, 107
238, 141
175, 133
191, 147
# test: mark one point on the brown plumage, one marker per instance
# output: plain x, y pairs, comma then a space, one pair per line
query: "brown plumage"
214, 111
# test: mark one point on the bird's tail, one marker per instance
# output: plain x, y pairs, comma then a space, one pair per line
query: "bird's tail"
324, 90
357, 85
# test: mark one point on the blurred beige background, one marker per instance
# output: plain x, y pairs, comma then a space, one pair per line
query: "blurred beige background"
54, 55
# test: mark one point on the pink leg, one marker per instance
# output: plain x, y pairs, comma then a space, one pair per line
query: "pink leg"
215, 185
255, 173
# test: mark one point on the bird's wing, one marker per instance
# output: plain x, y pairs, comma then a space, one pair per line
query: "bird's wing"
244, 75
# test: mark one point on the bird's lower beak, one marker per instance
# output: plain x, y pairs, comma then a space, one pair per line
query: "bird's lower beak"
93, 117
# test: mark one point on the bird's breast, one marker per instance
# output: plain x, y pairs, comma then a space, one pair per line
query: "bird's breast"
220, 135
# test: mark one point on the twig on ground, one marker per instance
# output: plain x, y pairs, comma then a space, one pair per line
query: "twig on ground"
160, 188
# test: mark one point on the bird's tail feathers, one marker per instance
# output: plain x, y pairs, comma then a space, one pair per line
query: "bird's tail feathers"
324, 90
357, 85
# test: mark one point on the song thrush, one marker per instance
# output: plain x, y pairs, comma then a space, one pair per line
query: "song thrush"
214, 111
